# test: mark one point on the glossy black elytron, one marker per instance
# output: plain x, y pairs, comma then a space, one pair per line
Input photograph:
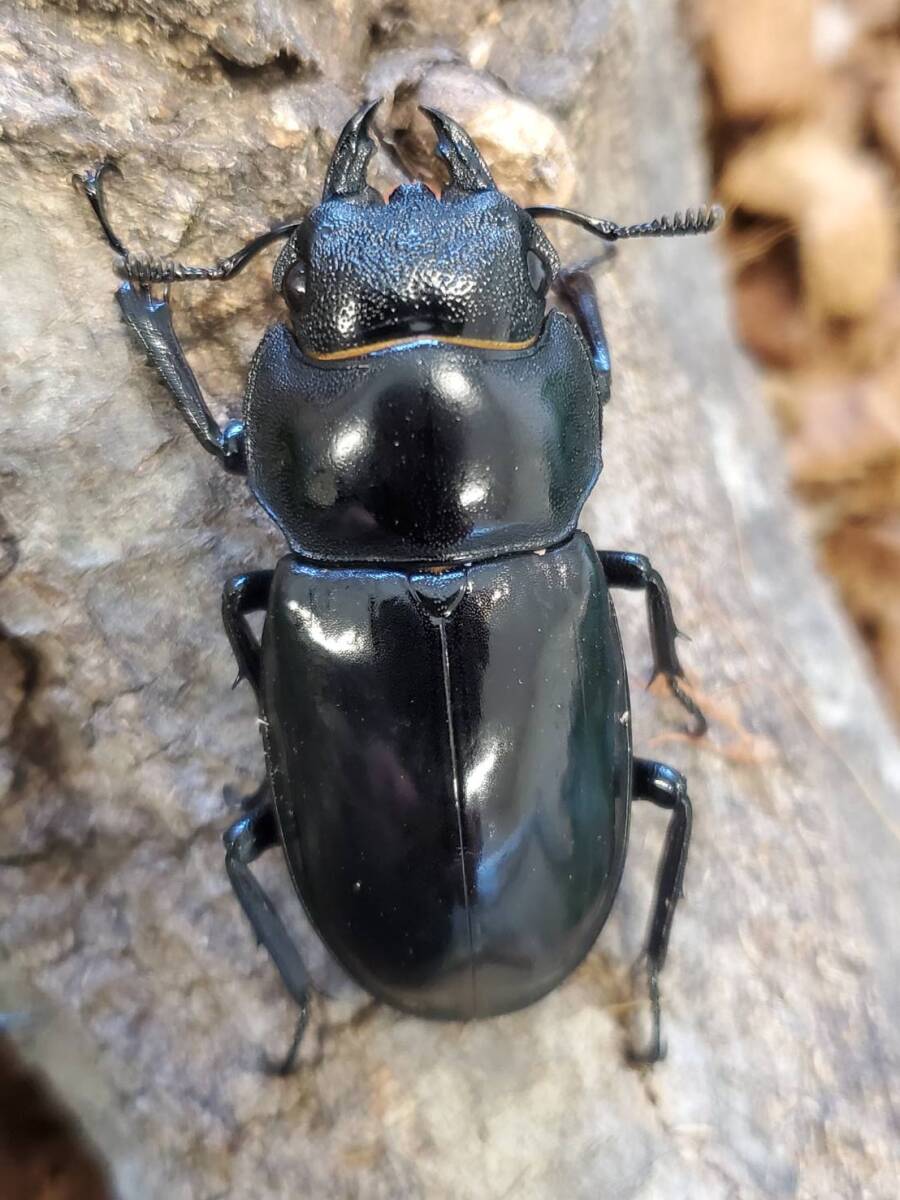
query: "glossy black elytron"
453, 805
443, 695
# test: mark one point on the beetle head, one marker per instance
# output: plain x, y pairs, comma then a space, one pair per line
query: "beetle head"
359, 272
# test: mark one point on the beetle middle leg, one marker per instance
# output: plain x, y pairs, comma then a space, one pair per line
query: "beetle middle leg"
245, 593
255, 832
667, 788
635, 572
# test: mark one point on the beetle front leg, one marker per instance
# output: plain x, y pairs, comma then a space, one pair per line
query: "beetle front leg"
576, 286
245, 840
667, 788
635, 572
151, 319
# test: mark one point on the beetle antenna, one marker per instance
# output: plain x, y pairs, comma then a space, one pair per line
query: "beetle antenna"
144, 269
701, 220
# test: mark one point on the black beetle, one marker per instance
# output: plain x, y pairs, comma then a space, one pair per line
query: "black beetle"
443, 695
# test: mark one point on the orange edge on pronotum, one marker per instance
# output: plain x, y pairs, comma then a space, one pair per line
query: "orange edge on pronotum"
371, 347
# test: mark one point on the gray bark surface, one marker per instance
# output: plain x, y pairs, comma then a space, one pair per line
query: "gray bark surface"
125, 748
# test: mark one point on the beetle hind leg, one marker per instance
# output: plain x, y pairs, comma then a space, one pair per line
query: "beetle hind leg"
666, 788
249, 837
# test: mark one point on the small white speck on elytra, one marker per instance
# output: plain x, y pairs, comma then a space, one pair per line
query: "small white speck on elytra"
625, 717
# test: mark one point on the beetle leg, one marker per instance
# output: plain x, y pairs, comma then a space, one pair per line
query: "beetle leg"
151, 321
667, 788
245, 593
576, 286
256, 831
635, 572
91, 181
249, 837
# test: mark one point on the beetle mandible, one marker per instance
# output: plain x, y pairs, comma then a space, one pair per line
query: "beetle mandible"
440, 677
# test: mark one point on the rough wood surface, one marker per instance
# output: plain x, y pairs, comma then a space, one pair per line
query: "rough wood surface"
125, 747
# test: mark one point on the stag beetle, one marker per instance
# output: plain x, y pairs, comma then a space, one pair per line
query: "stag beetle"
443, 697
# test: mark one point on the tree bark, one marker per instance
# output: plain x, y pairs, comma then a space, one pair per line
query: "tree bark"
126, 747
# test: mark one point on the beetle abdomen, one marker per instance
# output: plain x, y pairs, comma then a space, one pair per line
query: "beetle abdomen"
426, 452
451, 770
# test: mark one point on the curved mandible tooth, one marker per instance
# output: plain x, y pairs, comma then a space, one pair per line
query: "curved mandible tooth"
347, 170
467, 168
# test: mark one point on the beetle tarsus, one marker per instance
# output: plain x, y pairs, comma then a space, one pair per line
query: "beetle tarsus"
234, 457
690, 705
654, 1049
91, 181
287, 1064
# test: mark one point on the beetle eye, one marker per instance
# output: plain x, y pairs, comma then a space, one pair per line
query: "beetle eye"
538, 275
294, 287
